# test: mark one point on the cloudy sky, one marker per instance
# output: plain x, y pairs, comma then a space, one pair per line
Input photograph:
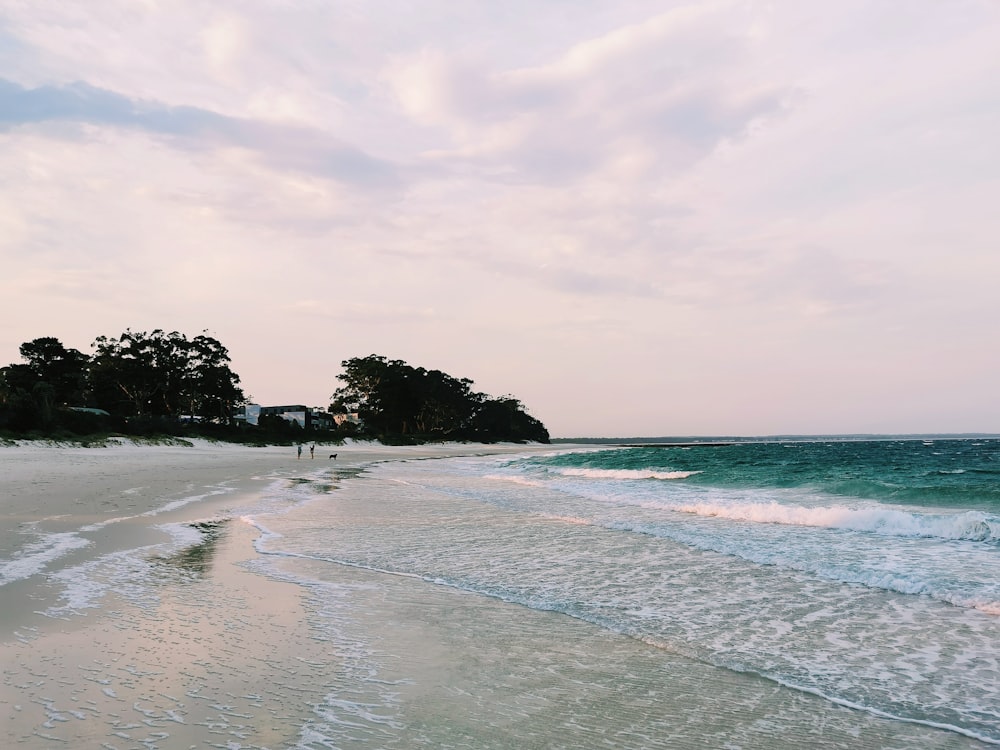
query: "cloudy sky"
639, 217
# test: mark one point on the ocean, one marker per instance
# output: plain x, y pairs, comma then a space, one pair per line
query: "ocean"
752, 594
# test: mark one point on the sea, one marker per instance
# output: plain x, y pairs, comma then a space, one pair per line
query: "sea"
779, 593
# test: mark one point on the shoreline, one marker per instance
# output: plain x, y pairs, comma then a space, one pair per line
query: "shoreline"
50, 481
63, 505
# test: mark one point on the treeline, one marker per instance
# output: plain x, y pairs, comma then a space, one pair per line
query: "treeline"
163, 383
137, 383
396, 402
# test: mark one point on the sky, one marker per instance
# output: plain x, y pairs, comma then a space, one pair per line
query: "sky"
637, 217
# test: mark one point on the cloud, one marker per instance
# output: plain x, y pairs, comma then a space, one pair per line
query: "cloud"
565, 276
715, 197
282, 147
656, 97
353, 314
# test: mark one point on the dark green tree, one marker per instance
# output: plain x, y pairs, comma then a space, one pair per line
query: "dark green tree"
46, 360
164, 375
507, 417
18, 410
373, 388
130, 374
393, 399
447, 405
50, 376
211, 387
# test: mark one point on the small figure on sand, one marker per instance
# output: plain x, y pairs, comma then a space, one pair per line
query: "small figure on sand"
312, 450
300, 450
333, 456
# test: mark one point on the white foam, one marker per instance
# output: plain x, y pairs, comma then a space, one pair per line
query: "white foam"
266, 535
969, 525
626, 473
124, 572
187, 501
575, 520
514, 479
35, 557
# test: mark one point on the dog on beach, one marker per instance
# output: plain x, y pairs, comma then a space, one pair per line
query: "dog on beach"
333, 456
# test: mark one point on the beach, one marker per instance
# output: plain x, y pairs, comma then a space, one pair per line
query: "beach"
113, 605
210, 595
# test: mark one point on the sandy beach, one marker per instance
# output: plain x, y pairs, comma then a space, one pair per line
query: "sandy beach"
130, 615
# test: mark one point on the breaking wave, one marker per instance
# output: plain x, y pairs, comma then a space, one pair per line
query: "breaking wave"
625, 473
973, 526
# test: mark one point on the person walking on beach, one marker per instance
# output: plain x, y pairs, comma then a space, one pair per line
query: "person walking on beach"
312, 450
300, 450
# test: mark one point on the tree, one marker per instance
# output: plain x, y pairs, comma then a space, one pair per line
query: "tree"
18, 410
508, 417
212, 388
374, 388
129, 374
447, 404
49, 377
164, 374
392, 398
46, 360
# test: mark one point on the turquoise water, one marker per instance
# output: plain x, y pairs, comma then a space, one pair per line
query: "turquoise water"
944, 472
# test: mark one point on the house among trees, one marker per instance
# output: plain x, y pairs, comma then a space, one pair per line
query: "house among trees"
305, 417
247, 414
351, 418
165, 383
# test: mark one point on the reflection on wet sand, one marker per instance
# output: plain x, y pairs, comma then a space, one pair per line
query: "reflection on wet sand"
196, 559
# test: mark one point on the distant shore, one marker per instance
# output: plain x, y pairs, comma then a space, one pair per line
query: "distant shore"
720, 440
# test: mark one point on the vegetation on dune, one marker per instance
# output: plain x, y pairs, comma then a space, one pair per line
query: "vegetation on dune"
159, 383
